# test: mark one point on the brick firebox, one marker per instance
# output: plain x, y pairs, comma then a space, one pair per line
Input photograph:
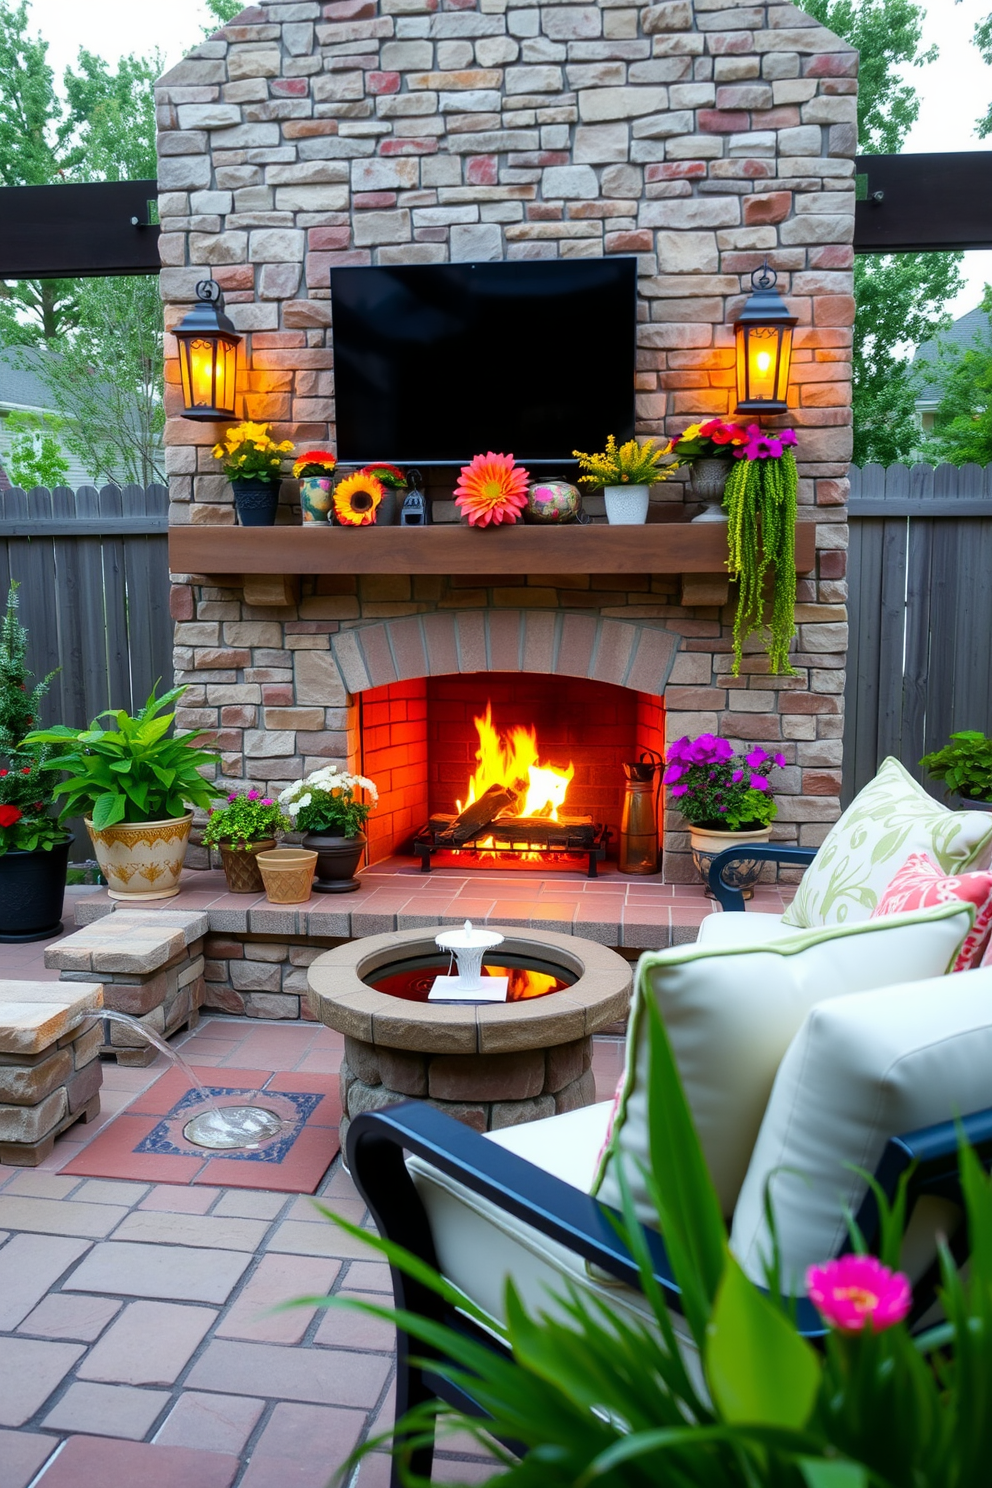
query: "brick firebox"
702, 136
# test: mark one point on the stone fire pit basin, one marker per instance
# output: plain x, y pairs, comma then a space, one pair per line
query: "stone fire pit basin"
492, 1065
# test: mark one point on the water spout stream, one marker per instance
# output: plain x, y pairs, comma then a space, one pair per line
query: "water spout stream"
218, 1126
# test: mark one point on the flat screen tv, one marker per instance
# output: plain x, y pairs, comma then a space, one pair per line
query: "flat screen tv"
434, 363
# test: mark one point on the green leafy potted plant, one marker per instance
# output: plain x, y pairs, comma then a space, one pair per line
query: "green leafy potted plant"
965, 767
34, 847
626, 473
726, 799
246, 826
325, 805
134, 786
252, 462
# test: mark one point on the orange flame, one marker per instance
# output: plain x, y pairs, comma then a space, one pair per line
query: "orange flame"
523, 982
511, 760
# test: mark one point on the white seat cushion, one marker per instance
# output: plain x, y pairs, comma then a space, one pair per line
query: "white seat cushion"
731, 1012
860, 1070
480, 1246
751, 928
892, 817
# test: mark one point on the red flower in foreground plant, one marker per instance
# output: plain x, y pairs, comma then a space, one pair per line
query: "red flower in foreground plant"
855, 1290
491, 489
9, 815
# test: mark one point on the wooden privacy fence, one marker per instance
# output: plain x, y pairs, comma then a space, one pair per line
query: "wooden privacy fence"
920, 573
94, 573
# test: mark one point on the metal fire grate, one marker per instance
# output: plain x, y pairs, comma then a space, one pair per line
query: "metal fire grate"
558, 840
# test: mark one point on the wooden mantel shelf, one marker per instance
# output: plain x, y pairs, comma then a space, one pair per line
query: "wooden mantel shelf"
657, 547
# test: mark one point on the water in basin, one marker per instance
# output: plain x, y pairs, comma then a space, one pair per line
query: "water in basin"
412, 978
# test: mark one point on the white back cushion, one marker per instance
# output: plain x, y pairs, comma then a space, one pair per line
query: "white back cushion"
731, 1012
860, 1070
892, 817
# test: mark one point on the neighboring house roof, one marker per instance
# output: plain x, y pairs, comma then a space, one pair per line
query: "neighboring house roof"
961, 334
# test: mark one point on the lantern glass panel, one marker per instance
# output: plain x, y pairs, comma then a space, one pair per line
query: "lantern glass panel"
208, 370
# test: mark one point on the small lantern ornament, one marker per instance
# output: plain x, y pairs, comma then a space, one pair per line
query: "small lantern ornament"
764, 347
208, 357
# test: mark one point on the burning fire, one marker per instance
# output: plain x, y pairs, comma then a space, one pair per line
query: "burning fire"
523, 982
511, 760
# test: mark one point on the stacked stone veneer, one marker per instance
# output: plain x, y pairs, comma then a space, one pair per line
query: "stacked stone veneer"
50, 1073
701, 135
150, 963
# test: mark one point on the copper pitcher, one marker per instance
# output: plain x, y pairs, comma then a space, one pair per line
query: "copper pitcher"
639, 822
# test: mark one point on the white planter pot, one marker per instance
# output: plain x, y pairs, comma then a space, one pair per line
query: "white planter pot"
706, 845
142, 860
626, 506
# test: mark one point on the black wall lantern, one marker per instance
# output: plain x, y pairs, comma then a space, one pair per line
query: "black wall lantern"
208, 357
764, 347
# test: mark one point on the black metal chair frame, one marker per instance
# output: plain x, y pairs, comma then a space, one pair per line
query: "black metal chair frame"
731, 899
379, 1141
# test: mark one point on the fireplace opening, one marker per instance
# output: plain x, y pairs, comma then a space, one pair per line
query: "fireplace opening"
548, 750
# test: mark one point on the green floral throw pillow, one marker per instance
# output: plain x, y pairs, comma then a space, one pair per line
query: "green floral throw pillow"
892, 817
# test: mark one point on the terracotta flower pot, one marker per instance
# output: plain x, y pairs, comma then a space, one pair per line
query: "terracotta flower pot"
706, 845
142, 860
287, 873
32, 888
337, 859
240, 866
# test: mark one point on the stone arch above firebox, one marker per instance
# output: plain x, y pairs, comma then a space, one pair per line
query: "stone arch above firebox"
625, 653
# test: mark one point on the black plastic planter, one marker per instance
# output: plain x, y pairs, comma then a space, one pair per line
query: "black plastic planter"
256, 501
32, 888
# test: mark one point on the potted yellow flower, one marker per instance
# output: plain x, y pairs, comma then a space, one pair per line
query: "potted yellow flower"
252, 462
626, 473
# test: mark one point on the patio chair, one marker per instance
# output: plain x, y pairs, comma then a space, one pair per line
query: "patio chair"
518, 1203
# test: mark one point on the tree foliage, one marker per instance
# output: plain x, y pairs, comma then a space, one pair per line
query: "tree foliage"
34, 454
900, 296
962, 425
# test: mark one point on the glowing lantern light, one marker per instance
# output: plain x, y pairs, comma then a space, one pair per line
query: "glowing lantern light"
764, 347
208, 357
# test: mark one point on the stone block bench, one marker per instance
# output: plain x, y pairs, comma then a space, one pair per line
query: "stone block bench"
150, 963
50, 1073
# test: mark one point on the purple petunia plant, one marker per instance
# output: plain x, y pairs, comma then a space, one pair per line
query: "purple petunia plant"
719, 790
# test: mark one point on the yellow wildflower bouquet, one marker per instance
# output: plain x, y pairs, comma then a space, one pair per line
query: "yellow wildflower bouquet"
249, 453
630, 464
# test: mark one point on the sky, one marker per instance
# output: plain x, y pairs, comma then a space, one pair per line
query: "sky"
955, 90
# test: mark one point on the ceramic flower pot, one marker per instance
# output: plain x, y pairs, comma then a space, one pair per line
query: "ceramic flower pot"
626, 506
337, 859
142, 860
552, 501
287, 873
256, 501
707, 844
240, 865
32, 888
316, 497
392, 499
707, 479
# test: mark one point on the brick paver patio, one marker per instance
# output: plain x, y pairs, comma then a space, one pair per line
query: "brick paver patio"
135, 1340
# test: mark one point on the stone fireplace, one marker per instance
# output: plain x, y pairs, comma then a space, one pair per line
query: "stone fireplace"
701, 136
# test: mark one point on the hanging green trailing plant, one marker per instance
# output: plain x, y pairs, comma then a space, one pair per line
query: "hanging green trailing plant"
760, 499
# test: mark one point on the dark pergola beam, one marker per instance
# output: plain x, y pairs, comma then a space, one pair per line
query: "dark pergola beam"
79, 231
923, 203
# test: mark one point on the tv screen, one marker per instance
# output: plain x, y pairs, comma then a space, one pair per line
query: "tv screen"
435, 363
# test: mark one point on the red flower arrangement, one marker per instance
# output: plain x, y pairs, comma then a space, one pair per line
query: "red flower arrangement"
9, 815
492, 489
389, 476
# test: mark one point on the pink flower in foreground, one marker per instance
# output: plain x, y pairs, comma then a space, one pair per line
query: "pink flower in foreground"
855, 1290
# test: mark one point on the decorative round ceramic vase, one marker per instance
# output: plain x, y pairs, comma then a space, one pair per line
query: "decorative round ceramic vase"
626, 506
287, 873
256, 501
240, 865
337, 859
706, 845
552, 501
142, 860
316, 497
707, 479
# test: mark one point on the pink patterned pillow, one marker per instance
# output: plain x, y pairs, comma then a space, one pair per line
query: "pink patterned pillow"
919, 884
